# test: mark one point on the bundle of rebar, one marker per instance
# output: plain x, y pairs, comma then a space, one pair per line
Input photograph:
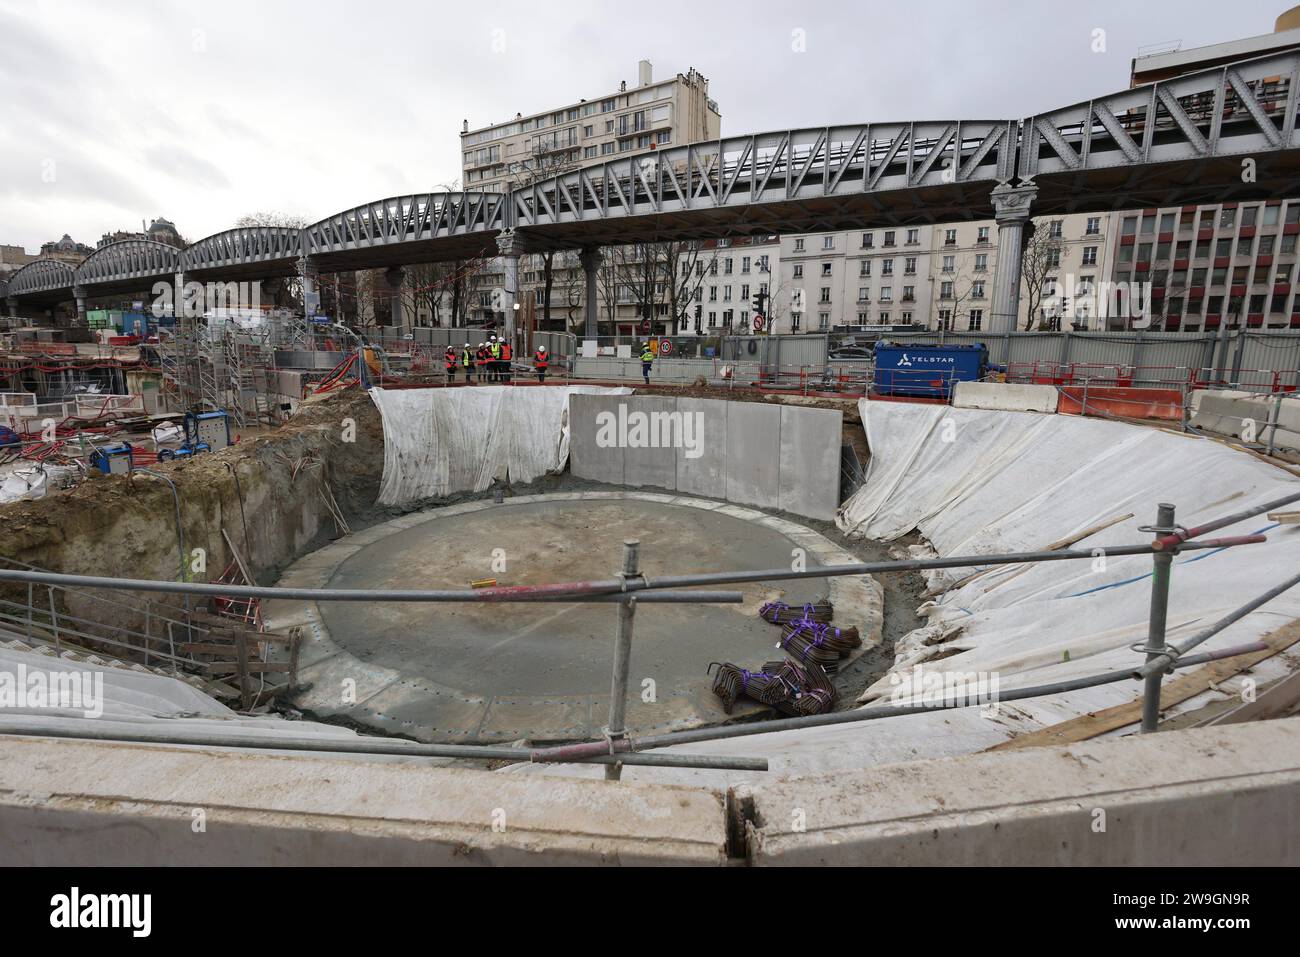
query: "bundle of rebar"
816, 693
823, 644
790, 687
779, 613
765, 686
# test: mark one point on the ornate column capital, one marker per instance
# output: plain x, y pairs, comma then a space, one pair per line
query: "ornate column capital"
511, 242
1011, 204
590, 258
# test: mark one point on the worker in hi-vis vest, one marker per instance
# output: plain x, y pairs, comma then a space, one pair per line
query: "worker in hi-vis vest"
494, 357
450, 360
540, 362
467, 360
507, 354
647, 360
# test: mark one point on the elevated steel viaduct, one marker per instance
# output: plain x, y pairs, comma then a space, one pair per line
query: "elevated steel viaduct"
1222, 134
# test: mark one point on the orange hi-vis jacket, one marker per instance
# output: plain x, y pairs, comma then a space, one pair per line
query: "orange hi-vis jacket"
540, 361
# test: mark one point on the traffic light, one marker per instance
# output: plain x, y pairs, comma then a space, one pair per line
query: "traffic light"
699, 313
760, 303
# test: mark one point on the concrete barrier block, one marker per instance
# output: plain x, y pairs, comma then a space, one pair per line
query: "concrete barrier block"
1005, 397
655, 463
587, 459
753, 454
705, 474
809, 474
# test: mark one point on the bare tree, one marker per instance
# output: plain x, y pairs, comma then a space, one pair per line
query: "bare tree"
289, 294
1042, 258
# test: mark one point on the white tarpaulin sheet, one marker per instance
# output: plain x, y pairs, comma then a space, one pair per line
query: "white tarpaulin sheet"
979, 482
441, 441
975, 482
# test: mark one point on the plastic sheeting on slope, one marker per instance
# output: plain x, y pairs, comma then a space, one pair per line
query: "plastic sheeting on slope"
984, 482
133, 701
977, 482
441, 441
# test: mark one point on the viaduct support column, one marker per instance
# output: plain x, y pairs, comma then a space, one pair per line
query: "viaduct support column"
510, 246
395, 277
591, 260
12, 303
1011, 206
80, 293
310, 293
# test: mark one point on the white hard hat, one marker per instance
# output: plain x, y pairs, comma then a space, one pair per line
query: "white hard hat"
467, 345
541, 348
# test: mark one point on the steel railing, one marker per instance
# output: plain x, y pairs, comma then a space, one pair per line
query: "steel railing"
631, 587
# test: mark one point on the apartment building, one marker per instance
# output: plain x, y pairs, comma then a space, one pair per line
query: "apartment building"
874, 277
723, 282
940, 277
1231, 264
648, 116
1065, 259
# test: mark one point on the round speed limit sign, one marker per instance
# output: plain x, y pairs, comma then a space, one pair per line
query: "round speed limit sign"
665, 347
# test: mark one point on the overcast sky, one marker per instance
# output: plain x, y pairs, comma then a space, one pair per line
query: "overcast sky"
117, 111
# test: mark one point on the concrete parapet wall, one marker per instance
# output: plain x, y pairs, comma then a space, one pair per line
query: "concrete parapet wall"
1210, 797
766, 455
109, 804
1005, 397
1233, 413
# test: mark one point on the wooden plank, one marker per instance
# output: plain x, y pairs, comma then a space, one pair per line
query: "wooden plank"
241, 666
1171, 693
1285, 518
239, 559
294, 646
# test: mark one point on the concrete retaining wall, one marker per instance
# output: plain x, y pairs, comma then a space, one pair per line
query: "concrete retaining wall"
1235, 414
1005, 397
766, 455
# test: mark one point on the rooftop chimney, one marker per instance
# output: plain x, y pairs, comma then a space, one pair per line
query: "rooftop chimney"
645, 73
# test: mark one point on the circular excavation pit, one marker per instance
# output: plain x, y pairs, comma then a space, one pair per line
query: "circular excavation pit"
541, 671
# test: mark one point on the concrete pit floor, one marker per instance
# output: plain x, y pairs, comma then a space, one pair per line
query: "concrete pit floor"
557, 648
495, 672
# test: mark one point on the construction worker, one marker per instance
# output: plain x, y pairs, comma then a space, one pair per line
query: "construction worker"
507, 354
450, 359
647, 360
494, 356
540, 361
481, 360
467, 360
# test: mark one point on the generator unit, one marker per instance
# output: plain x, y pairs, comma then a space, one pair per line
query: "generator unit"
114, 459
927, 371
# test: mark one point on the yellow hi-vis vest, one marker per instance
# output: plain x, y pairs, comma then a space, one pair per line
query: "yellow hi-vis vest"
647, 354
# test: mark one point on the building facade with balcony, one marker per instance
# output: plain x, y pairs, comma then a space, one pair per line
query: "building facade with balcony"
1210, 266
649, 116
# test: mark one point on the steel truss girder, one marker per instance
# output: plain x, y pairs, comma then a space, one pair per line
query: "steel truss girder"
1243, 109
